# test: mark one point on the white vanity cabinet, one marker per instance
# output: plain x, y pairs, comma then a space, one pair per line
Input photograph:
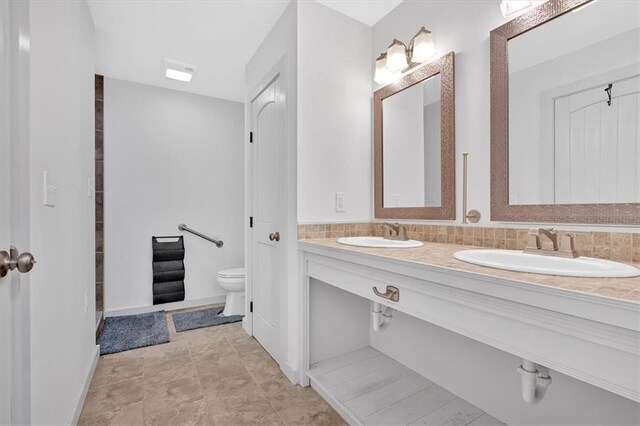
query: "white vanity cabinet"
590, 338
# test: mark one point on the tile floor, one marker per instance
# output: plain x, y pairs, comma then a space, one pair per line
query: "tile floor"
210, 376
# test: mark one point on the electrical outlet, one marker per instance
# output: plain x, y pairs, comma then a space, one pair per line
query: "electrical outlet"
86, 301
341, 202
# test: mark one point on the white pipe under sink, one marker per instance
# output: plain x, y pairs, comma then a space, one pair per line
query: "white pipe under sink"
535, 381
379, 319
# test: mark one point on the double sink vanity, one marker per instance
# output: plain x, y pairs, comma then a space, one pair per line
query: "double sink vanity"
549, 315
566, 324
540, 261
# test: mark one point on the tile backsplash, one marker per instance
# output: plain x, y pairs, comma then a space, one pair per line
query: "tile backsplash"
618, 246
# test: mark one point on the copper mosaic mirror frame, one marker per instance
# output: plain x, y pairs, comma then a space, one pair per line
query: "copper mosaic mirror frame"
501, 210
447, 209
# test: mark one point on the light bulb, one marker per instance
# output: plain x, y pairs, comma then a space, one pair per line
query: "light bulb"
423, 47
396, 56
512, 8
382, 74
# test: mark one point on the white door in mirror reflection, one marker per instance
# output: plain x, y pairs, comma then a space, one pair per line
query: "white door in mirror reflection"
597, 144
566, 144
411, 146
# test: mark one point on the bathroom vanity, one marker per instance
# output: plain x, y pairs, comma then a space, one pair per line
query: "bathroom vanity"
584, 328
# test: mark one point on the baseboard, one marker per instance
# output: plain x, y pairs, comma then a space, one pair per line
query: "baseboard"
167, 306
85, 387
289, 372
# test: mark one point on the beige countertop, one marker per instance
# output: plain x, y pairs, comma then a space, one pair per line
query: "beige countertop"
441, 255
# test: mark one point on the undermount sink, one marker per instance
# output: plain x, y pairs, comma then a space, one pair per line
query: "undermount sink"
379, 242
513, 260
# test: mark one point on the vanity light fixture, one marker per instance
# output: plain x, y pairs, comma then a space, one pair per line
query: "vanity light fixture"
178, 70
513, 8
399, 58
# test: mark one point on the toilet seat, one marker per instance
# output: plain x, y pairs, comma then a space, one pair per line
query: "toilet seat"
232, 273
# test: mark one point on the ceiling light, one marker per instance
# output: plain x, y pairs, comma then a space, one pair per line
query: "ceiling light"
513, 8
422, 46
178, 75
382, 75
397, 56
178, 70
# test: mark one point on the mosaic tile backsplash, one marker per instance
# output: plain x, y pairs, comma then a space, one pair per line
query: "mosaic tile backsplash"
624, 247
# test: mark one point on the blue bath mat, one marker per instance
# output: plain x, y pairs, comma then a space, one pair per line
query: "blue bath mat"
204, 318
128, 332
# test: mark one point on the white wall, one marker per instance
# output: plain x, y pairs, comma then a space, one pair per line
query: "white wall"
334, 115
62, 237
487, 378
170, 157
280, 45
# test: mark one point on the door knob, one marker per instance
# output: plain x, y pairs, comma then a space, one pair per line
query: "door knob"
274, 236
10, 261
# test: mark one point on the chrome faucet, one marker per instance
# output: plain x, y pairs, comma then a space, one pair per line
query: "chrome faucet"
545, 241
394, 231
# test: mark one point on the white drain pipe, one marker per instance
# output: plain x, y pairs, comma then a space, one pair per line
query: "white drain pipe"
379, 319
535, 380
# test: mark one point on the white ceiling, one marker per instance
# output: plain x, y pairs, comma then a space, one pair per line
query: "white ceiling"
217, 36
367, 11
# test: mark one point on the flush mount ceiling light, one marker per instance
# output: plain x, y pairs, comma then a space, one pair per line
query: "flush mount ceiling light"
400, 59
513, 8
178, 70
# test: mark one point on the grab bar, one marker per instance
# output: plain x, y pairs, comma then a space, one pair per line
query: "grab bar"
183, 227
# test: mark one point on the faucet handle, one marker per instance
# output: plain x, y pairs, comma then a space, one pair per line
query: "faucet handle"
402, 233
533, 241
567, 246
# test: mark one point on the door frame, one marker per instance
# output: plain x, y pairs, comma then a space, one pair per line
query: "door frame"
289, 213
14, 199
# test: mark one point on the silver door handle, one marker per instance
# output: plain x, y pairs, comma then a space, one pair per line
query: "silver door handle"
274, 236
10, 261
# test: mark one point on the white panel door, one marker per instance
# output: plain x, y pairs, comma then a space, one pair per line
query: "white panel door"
14, 211
598, 145
268, 209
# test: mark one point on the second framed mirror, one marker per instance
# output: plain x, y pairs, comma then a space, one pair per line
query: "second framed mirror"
414, 144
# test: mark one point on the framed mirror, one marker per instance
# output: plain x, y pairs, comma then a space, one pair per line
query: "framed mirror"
414, 144
565, 114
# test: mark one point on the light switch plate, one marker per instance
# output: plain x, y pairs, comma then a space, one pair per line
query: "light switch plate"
341, 202
50, 189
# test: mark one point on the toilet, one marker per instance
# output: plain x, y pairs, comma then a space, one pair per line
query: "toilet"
232, 280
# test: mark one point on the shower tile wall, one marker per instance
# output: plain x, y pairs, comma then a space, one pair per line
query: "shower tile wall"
99, 183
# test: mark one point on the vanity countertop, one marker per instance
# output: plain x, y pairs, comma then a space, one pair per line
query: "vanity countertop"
441, 255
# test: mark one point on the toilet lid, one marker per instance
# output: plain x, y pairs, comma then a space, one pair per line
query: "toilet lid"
232, 273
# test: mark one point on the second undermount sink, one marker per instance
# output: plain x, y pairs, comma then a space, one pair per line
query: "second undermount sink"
379, 242
513, 260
